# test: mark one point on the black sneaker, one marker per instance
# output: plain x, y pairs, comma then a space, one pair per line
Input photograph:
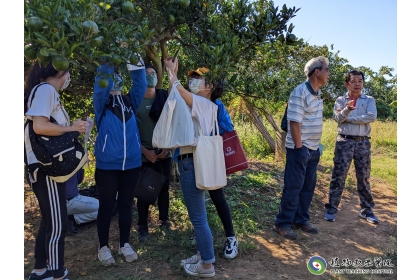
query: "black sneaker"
143, 233
72, 229
47, 275
166, 225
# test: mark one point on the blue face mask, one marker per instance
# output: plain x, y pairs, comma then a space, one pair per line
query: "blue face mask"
118, 82
151, 80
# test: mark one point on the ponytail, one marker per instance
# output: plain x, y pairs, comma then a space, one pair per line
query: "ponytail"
217, 90
36, 76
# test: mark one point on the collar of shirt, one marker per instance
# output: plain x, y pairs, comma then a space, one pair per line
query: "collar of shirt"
311, 90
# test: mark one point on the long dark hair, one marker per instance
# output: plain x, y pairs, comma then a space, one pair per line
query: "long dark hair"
36, 76
217, 90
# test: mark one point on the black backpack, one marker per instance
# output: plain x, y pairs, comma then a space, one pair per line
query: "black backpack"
60, 157
284, 121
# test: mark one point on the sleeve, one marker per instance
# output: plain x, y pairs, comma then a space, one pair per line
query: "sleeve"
223, 118
341, 112
43, 103
201, 106
296, 105
100, 95
369, 116
139, 87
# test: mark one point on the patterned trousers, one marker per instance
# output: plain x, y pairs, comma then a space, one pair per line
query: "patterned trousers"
347, 150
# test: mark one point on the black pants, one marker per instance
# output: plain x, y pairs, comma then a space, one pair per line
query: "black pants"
109, 183
164, 167
49, 243
223, 209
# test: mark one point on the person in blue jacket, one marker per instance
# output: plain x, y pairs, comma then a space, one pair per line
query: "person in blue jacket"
118, 154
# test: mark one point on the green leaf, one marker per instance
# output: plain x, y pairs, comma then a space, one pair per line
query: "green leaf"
43, 51
41, 36
74, 47
45, 43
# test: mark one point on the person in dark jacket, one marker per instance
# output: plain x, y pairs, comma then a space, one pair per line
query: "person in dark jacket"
118, 154
158, 159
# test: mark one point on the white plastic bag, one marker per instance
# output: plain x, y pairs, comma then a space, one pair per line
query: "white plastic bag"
175, 125
209, 160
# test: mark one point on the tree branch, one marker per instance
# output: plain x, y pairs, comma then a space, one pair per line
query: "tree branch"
192, 46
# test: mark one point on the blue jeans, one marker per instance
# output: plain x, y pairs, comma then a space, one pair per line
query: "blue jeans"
196, 206
299, 185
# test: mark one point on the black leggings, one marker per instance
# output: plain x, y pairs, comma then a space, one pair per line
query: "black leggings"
164, 167
223, 209
109, 183
49, 243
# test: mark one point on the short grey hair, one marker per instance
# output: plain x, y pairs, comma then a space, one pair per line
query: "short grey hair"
315, 63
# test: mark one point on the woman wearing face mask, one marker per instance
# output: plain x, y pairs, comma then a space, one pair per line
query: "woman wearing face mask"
51, 196
158, 159
218, 196
201, 103
118, 155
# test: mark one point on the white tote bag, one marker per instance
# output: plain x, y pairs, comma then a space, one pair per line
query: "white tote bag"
209, 160
175, 126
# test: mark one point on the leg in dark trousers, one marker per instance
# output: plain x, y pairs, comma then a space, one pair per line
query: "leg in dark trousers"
126, 189
223, 210
49, 244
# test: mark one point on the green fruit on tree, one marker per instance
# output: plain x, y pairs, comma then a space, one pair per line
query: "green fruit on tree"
103, 83
134, 59
60, 63
35, 24
184, 3
42, 58
171, 19
116, 60
225, 15
96, 42
292, 38
30, 54
90, 27
127, 7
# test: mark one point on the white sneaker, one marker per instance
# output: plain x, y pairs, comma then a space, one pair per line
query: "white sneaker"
197, 269
128, 253
105, 256
194, 259
231, 247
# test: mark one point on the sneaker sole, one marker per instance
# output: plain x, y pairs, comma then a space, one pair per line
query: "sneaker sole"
208, 275
231, 257
368, 219
329, 220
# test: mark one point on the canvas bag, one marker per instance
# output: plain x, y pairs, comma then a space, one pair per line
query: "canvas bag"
175, 126
60, 157
235, 158
149, 186
209, 161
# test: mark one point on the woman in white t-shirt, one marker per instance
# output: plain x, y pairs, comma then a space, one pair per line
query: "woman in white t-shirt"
51, 196
201, 102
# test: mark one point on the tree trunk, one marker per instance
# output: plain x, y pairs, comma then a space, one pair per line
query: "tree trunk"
280, 149
256, 120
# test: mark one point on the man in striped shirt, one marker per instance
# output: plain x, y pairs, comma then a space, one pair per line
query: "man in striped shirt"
304, 118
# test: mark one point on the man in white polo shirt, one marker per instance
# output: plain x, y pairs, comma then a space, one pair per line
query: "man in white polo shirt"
304, 119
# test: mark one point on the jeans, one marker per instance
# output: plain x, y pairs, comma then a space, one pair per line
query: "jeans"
163, 166
83, 208
109, 183
299, 185
196, 206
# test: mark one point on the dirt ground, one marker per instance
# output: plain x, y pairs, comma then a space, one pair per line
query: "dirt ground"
273, 256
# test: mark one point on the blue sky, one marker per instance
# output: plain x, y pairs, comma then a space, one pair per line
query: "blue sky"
364, 31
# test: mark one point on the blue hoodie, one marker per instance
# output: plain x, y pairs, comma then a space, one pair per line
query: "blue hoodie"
117, 145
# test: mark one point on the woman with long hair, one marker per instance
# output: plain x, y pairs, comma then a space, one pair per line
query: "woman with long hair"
42, 101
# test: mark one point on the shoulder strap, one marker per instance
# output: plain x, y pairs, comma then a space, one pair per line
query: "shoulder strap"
33, 94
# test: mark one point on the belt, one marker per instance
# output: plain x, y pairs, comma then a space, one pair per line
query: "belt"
184, 156
355, 138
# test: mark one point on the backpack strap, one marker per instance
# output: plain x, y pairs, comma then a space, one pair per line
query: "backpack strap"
33, 94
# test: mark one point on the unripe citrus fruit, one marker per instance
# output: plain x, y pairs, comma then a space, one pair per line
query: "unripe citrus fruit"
30, 54
60, 63
103, 83
90, 27
127, 7
35, 24
184, 3
42, 58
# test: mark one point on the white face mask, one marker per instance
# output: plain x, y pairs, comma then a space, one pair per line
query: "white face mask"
66, 83
194, 85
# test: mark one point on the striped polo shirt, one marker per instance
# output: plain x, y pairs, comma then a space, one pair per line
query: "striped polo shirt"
305, 106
